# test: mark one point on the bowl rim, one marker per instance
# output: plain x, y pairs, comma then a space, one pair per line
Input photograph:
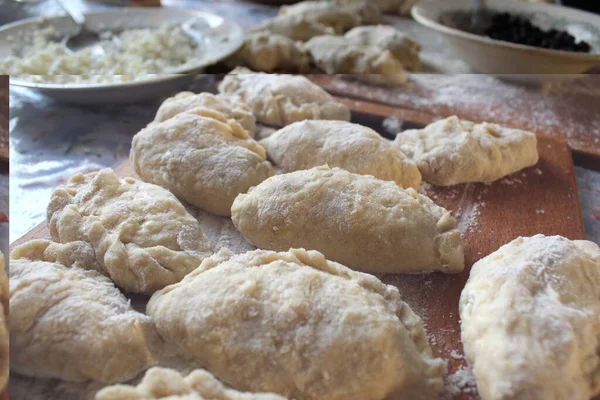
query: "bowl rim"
153, 78
419, 9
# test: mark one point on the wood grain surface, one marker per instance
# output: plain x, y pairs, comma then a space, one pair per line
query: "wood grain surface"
540, 199
568, 109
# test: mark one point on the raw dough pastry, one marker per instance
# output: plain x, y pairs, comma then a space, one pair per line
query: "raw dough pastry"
294, 26
230, 106
142, 236
282, 99
403, 48
4, 342
337, 55
296, 324
454, 151
165, 383
73, 324
367, 12
353, 147
340, 18
201, 157
530, 316
267, 52
365, 223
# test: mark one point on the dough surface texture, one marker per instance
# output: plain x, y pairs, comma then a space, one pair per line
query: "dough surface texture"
267, 52
202, 157
294, 26
168, 384
73, 324
353, 147
367, 12
530, 316
292, 323
141, 236
452, 151
360, 221
283, 99
403, 48
337, 55
230, 106
341, 19
4, 341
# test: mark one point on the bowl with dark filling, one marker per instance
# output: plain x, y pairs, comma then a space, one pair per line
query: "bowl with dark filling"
509, 37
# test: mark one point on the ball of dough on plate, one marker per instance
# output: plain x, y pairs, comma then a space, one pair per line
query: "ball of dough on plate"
283, 99
201, 157
74, 324
337, 55
141, 236
267, 52
353, 147
386, 37
452, 151
230, 106
298, 325
166, 383
530, 315
363, 222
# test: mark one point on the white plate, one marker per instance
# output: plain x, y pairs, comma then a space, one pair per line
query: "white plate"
219, 38
491, 56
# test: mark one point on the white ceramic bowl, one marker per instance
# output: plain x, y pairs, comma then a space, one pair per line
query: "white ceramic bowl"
491, 56
218, 38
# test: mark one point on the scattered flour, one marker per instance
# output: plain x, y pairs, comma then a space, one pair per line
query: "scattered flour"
462, 381
392, 124
540, 211
468, 218
456, 355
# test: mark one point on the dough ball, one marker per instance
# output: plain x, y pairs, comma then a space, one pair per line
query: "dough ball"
403, 48
530, 315
283, 99
202, 157
337, 55
138, 234
298, 325
294, 26
452, 151
353, 147
230, 106
73, 324
165, 383
341, 19
365, 223
268, 52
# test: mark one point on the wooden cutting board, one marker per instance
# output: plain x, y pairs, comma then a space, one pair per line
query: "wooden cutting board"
568, 109
540, 199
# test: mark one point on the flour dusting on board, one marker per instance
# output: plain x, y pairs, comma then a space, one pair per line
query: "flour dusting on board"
461, 381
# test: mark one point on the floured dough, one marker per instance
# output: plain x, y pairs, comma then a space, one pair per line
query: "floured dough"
201, 157
141, 236
73, 324
296, 324
4, 342
365, 223
367, 12
230, 106
341, 19
267, 52
530, 316
294, 26
353, 147
337, 55
283, 99
403, 48
165, 383
452, 151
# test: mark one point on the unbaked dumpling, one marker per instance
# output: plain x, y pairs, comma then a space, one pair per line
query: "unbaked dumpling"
282, 99
365, 223
341, 19
267, 52
168, 384
367, 12
293, 26
403, 48
202, 157
140, 234
73, 324
296, 324
230, 106
4, 341
353, 147
530, 320
452, 151
337, 55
